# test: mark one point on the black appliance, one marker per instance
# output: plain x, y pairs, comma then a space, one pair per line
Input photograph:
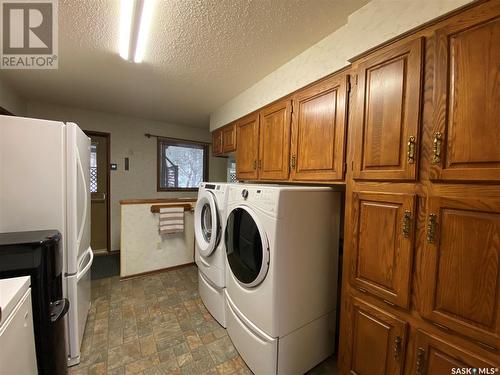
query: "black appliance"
38, 254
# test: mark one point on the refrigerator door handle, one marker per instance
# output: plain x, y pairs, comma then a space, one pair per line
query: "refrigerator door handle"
84, 270
84, 213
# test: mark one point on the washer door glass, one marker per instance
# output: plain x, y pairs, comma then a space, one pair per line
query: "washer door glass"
246, 247
206, 224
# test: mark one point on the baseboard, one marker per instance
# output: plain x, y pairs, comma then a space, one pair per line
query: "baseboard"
148, 273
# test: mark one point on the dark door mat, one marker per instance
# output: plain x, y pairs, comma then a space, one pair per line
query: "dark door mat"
105, 266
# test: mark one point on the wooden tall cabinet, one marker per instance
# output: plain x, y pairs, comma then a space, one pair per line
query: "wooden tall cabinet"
422, 235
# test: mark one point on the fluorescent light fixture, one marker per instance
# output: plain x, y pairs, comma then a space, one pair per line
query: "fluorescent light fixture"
135, 23
126, 20
144, 26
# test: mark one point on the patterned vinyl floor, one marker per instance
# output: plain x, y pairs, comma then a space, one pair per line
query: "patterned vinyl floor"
158, 325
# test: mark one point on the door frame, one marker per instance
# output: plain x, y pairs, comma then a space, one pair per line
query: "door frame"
108, 182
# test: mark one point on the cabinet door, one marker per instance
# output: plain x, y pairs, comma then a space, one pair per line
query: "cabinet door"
388, 96
217, 142
229, 138
466, 134
274, 150
381, 262
461, 270
247, 134
435, 356
318, 131
378, 341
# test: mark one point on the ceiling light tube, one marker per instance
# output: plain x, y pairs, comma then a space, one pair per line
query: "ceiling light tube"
135, 23
144, 26
126, 19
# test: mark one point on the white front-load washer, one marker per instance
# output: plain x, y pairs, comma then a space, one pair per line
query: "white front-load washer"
281, 274
209, 224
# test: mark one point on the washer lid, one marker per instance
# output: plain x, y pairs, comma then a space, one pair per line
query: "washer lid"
206, 223
247, 247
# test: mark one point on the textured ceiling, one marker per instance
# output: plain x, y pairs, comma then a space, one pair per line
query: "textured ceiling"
199, 55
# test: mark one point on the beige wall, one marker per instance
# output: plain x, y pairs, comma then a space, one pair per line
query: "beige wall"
11, 100
128, 140
376, 22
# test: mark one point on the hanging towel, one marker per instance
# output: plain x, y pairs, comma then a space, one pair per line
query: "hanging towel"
171, 220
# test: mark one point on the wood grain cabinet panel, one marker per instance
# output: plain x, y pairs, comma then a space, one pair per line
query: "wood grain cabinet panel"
247, 135
217, 142
274, 150
435, 356
378, 341
387, 125
466, 134
318, 131
461, 269
229, 138
382, 252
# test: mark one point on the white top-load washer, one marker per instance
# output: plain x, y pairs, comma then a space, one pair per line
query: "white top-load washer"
209, 225
281, 275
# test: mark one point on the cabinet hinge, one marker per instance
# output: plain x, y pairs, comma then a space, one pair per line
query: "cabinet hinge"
291, 108
356, 79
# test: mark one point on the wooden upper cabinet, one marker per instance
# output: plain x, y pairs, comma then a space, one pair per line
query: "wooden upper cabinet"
217, 142
387, 123
247, 152
378, 341
274, 150
318, 131
229, 138
466, 134
382, 251
435, 356
460, 281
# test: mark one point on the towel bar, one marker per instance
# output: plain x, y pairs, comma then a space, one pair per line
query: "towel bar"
156, 208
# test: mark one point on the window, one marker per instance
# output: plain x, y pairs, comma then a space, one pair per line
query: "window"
182, 165
93, 168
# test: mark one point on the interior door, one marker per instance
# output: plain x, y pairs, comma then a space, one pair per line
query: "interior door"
378, 341
247, 152
466, 67
99, 191
318, 131
461, 269
388, 96
274, 150
381, 261
435, 356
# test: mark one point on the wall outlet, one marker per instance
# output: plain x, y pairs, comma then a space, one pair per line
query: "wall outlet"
158, 245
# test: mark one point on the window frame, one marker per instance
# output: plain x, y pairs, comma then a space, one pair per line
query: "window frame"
182, 143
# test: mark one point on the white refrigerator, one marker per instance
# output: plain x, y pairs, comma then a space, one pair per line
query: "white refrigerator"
44, 184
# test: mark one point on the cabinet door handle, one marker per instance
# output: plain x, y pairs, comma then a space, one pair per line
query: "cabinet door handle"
255, 164
410, 152
397, 347
406, 223
420, 361
436, 148
260, 164
293, 162
431, 228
